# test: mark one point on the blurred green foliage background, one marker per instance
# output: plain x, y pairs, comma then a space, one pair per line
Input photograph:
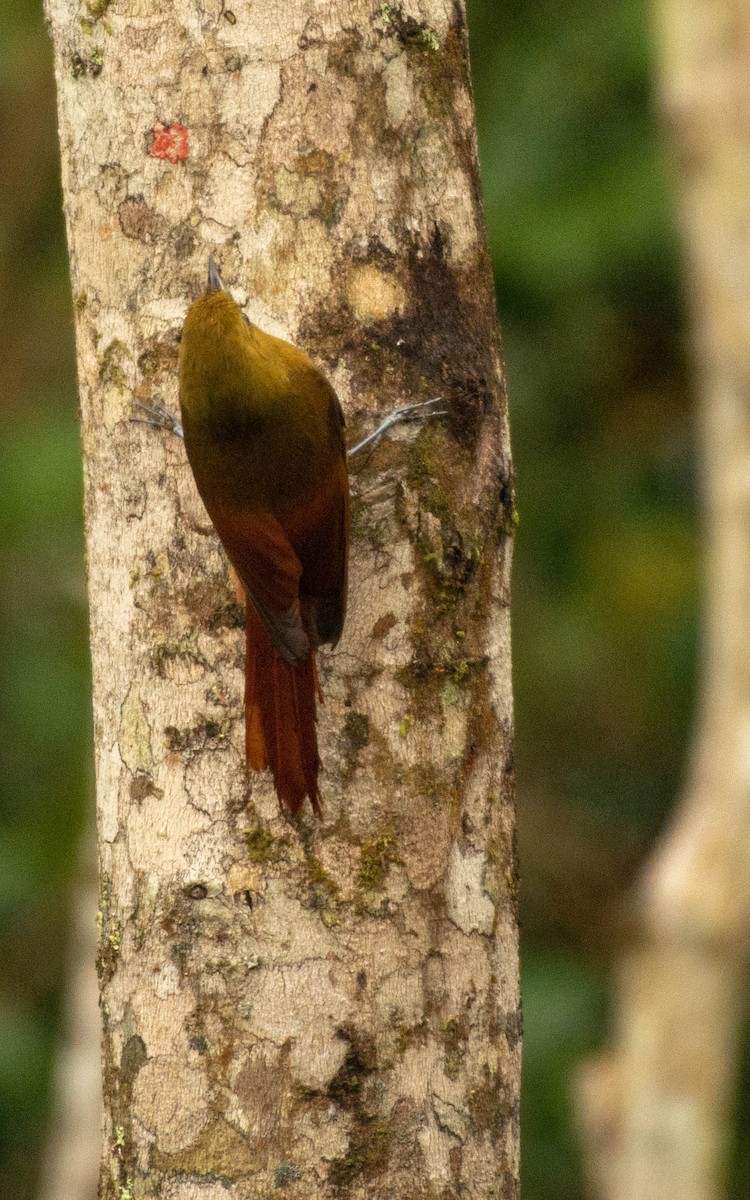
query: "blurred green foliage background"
45, 751
605, 603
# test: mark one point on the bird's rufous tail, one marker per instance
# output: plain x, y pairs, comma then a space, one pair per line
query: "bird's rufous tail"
280, 718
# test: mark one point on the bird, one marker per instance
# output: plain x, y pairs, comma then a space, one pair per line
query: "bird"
264, 435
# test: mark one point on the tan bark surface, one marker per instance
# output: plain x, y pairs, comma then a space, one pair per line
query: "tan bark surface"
658, 1111
330, 1009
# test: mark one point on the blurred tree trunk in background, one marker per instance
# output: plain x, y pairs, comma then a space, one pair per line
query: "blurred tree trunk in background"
71, 1164
657, 1111
330, 1007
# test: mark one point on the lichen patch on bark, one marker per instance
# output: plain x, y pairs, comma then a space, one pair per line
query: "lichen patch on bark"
373, 295
135, 733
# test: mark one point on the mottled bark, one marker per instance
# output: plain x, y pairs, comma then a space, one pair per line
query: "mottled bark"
658, 1110
330, 1008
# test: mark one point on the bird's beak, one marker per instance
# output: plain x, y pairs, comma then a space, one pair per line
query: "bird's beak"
214, 278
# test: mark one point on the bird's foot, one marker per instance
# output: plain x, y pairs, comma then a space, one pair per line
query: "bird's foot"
157, 415
410, 412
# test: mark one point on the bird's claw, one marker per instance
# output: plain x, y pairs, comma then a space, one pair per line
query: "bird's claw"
158, 416
409, 412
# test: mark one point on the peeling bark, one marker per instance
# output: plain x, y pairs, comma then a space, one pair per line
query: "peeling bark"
657, 1110
329, 1008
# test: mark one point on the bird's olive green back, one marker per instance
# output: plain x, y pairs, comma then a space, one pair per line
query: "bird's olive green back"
262, 425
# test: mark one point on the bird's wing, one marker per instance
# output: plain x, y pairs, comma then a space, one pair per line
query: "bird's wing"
327, 583
318, 532
329, 602
261, 554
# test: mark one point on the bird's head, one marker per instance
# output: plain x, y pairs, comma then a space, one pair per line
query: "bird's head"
213, 348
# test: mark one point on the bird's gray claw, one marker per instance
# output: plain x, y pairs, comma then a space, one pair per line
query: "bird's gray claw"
409, 412
157, 415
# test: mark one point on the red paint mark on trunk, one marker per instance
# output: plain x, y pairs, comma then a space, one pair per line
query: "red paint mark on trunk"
170, 142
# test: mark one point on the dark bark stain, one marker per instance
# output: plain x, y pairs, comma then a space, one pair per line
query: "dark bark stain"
118, 1084
408, 30
370, 1136
444, 343
141, 786
356, 736
213, 605
139, 221
491, 1106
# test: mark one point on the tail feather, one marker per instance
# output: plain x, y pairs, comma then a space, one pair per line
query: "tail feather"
280, 719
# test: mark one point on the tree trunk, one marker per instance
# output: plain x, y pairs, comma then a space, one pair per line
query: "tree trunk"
330, 1007
658, 1111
